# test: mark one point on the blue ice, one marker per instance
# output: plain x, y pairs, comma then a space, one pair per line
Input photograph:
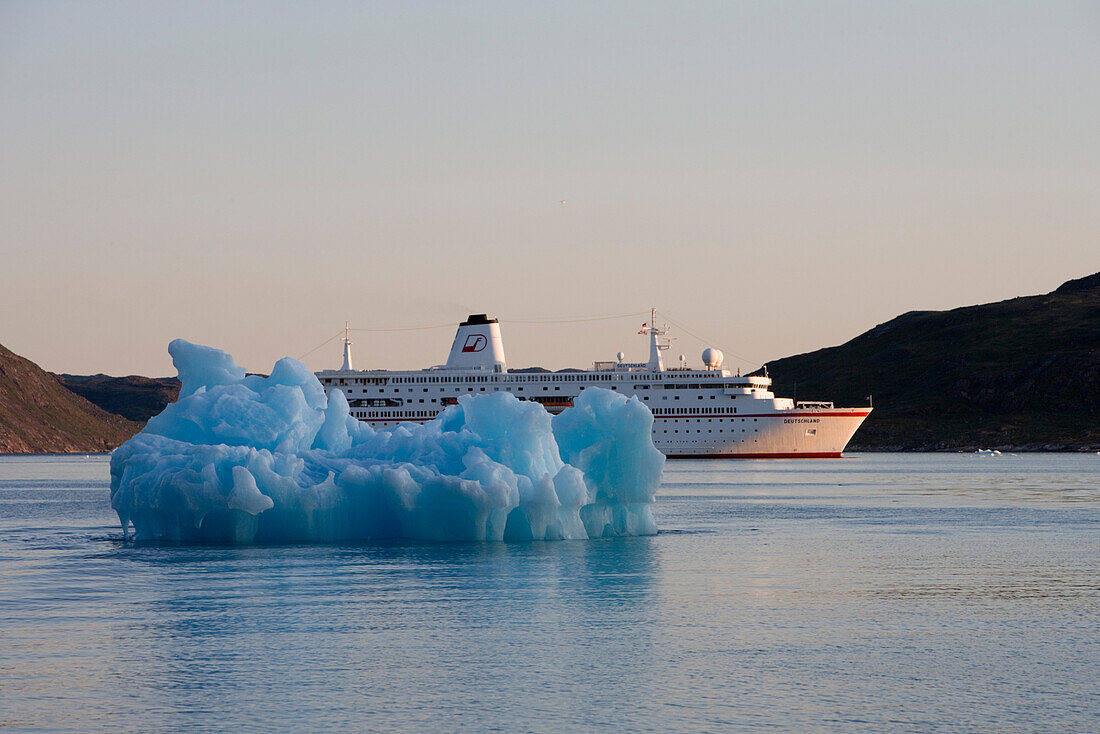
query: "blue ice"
252, 459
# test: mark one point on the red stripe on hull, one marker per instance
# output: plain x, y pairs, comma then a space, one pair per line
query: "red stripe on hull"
796, 455
778, 414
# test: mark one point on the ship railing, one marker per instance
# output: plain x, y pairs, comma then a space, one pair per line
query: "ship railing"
812, 404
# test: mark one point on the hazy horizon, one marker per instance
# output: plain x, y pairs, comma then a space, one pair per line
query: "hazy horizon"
777, 178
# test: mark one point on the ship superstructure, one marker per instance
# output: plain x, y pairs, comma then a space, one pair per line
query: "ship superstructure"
706, 412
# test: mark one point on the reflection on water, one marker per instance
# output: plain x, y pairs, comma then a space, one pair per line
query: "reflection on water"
911, 592
374, 625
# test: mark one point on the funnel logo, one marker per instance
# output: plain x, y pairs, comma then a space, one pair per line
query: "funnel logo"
474, 343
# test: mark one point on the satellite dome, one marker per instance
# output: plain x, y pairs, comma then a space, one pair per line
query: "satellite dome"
712, 357
621, 356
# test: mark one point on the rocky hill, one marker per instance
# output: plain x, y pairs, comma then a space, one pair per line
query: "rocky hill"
1022, 374
38, 415
134, 398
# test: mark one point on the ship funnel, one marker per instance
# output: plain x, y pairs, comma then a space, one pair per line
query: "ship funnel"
478, 345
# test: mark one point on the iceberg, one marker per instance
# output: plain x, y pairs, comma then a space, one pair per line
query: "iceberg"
250, 459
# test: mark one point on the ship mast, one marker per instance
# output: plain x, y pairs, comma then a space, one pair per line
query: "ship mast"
346, 367
658, 342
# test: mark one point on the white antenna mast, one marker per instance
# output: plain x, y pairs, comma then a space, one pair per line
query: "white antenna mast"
346, 367
659, 341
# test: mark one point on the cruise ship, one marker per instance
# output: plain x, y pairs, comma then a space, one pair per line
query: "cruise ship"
697, 413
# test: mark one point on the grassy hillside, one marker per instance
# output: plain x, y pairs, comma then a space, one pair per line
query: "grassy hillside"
38, 415
1023, 374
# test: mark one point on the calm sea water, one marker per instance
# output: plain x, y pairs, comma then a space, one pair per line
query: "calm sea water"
879, 592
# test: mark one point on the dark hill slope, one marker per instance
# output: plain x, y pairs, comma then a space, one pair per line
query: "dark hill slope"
1023, 374
38, 415
134, 398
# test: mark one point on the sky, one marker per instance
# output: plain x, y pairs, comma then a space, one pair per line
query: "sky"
772, 177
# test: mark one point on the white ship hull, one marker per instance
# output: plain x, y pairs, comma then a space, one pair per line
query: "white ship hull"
795, 434
697, 413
